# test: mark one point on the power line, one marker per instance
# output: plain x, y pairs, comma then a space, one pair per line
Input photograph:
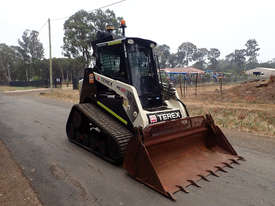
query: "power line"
112, 4
49, 24
43, 26
108, 5
102, 7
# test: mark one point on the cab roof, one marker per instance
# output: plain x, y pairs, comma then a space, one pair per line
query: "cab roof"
126, 39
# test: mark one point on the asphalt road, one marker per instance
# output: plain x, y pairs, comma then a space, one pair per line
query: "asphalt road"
61, 173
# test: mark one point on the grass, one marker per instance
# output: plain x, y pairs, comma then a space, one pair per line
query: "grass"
67, 95
243, 107
10, 88
236, 114
254, 121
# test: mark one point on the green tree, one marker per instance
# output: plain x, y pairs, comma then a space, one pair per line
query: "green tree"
213, 56
239, 58
163, 54
252, 49
230, 57
80, 29
5, 62
186, 53
200, 57
173, 61
101, 19
233, 62
9, 60
224, 65
31, 46
31, 50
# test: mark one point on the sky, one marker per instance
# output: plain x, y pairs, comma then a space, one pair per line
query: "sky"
226, 25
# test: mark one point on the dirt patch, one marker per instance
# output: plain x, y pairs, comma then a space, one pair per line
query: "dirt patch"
15, 190
253, 92
249, 106
67, 95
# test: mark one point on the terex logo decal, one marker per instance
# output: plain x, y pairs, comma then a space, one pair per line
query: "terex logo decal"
163, 116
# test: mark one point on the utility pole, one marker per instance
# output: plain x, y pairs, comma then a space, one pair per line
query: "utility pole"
50, 57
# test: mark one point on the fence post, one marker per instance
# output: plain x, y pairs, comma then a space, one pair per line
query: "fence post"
180, 85
184, 86
196, 84
186, 83
220, 84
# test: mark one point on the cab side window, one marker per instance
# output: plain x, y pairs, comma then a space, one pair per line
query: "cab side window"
112, 62
109, 63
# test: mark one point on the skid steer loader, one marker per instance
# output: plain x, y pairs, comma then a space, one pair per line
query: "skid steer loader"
128, 115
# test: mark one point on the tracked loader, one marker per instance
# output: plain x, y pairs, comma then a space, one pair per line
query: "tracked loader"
128, 115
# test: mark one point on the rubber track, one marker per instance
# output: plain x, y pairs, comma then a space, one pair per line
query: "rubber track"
120, 134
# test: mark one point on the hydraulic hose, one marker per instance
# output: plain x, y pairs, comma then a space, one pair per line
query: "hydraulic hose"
185, 108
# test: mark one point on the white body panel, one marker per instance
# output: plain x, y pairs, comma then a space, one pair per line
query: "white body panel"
142, 119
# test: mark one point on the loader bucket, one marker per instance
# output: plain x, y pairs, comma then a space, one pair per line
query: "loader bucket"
172, 155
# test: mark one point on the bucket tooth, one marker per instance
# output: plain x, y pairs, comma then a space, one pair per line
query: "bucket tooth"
204, 178
221, 169
182, 189
241, 158
213, 173
171, 196
194, 183
228, 165
235, 161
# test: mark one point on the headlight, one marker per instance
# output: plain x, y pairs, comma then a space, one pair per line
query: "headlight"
152, 45
131, 41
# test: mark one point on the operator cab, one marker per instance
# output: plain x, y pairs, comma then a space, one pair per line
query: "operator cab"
131, 60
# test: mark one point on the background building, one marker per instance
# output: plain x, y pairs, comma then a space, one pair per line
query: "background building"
266, 72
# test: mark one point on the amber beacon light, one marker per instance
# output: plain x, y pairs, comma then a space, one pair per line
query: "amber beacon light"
123, 26
123, 23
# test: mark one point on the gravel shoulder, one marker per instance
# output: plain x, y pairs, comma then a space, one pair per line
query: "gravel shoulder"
15, 189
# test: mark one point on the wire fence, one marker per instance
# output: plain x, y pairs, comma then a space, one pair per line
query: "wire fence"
195, 84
